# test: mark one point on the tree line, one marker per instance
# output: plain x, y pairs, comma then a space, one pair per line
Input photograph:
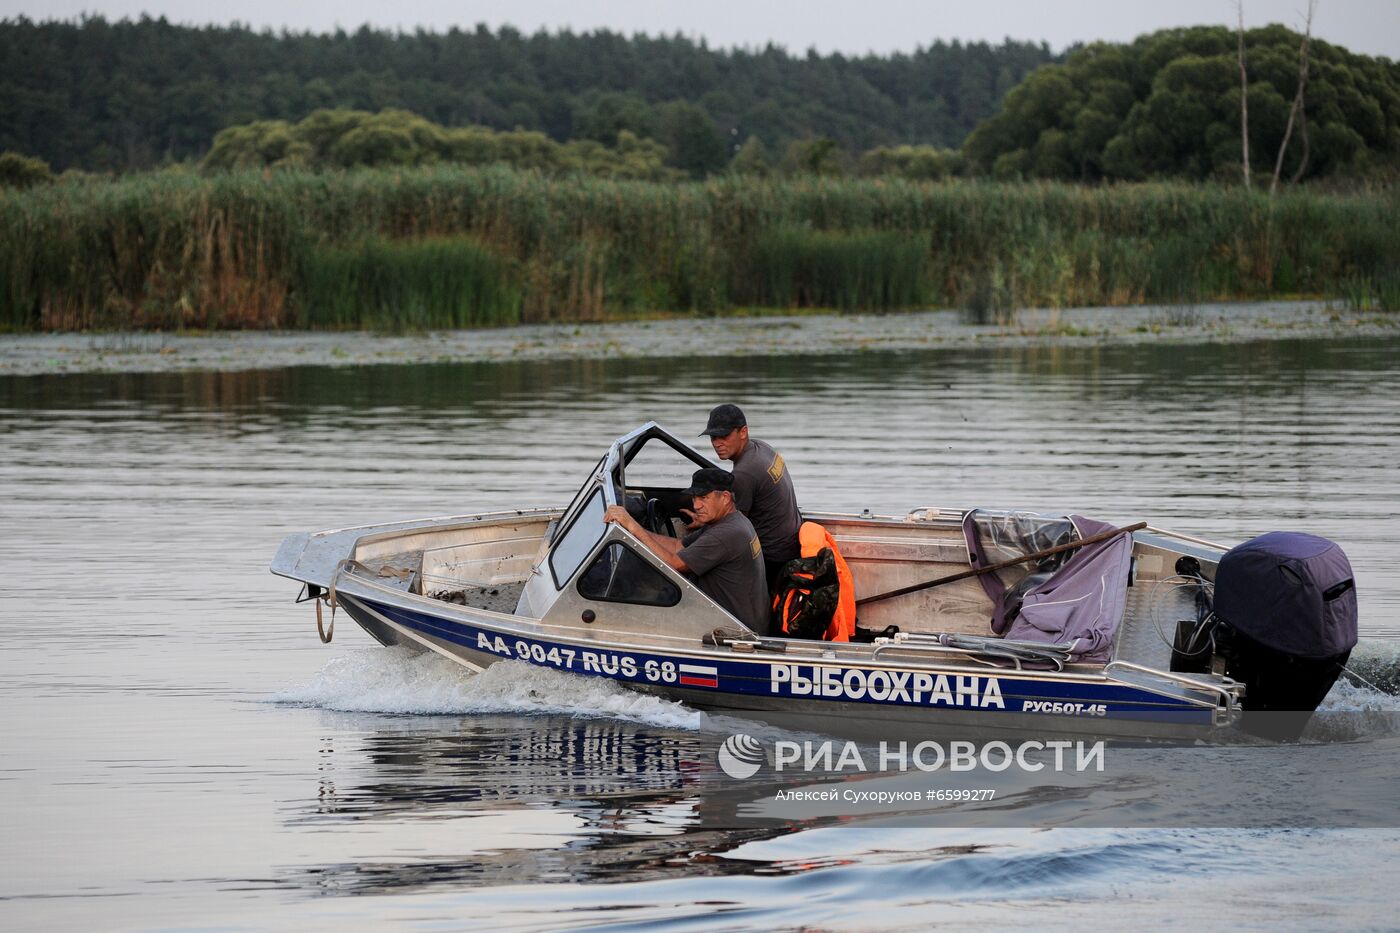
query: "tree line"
346, 139
129, 95
343, 139
1168, 105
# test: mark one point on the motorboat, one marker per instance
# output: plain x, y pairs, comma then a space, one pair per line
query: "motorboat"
1124, 644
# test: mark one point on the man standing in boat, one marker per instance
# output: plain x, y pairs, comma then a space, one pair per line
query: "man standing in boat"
763, 489
723, 553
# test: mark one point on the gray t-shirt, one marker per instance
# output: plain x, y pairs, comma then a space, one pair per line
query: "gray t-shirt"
763, 491
727, 561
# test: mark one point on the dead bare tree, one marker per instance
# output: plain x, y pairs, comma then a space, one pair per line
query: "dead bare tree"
1244, 98
1296, 111
1307, 149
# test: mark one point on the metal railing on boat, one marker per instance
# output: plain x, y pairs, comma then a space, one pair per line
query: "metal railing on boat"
986, 651
1226, 691
998, 649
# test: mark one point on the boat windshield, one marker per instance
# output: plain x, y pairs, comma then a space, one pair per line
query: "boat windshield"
578, 537
657, 465
650, 476
646, 471
579, 497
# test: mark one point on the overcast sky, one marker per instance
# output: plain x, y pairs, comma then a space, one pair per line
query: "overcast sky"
1368, 26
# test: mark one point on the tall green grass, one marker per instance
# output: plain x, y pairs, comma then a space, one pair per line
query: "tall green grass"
442, 282
454, 246
148, 251
793, 267
1374, 293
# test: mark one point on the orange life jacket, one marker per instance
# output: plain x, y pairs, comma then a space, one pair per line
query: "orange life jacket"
813, 538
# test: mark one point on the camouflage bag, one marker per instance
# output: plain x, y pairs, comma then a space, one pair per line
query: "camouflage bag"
806, 597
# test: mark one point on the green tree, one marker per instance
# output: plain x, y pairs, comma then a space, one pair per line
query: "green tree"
814, 157
331, 139
752, 158
921, 163
322, 129
256, 145
19, 171
636, 157
1168, 105
604, 116
690, 138
391, 137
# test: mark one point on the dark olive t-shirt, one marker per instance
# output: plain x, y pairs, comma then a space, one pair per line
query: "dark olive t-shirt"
727, 561
763, 491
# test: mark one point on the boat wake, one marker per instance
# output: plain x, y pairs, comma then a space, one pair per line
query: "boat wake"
399, 681
1371, 680
396, 680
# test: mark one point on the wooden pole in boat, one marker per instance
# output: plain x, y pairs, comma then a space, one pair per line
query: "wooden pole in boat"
978, 571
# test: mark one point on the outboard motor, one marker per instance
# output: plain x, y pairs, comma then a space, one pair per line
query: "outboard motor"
1286, 604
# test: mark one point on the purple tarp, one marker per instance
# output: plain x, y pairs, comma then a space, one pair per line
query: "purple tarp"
1081, 602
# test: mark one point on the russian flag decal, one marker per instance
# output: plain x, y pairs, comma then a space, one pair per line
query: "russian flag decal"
695, 675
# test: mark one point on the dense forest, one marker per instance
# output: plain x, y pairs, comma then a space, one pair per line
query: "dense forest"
125, 95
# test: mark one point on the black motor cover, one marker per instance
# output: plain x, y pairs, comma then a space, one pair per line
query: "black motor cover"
1287, 602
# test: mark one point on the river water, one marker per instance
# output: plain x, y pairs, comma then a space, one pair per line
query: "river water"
178, 749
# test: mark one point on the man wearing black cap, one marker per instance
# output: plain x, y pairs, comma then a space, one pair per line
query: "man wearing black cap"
763, 488
723, 554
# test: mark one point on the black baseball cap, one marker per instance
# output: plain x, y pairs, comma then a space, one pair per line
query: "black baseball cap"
725, 419
710, 479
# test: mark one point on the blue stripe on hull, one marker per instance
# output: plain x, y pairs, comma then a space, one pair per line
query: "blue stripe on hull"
772, 678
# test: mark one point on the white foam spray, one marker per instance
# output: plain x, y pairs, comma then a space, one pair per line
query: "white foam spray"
396, 680
1368, 683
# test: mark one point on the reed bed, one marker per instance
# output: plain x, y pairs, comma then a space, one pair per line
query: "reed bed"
793, 267
1379, 293
435, 283
451, 246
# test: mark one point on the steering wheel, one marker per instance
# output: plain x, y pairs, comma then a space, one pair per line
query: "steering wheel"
656, 522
